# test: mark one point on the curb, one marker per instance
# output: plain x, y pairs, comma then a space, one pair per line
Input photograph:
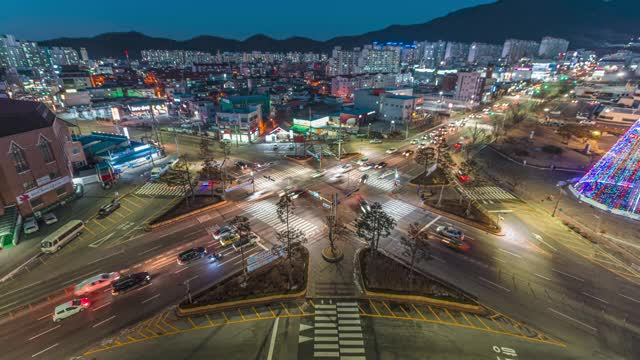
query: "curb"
186, 215
462, 220
476, 309
533, 166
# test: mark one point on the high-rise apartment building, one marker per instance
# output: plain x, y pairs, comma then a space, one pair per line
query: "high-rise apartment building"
433, 53
456, 52
483, 54
379, 59
514, 49
469, 86
343, 62
551, 47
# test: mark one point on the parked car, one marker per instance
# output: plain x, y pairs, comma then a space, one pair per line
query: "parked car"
130, 282
229, 239
245, 240
407, 153
462, 176
50, 218
450, 232
364, 206
227, 229
107, 209
241, 165
95, 283
30, 225
190, 255
381, 165
70, 308
391, 150
346, 167
375, 141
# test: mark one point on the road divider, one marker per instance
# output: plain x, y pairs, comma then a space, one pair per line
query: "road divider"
178, 218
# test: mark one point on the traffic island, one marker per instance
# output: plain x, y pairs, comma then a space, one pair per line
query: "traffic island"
387, 279
332, 256
264, 285
184, 209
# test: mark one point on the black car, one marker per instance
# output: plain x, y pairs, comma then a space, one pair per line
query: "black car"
108, 208
241, 165
381, 165
190, 255
130, 282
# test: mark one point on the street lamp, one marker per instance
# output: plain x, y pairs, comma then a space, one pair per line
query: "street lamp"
253, 181
369, 130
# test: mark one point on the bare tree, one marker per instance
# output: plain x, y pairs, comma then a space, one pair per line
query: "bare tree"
373, 225
243, 225
478, 135
290, 238
205, 151
425, 157
182, 177
416, 247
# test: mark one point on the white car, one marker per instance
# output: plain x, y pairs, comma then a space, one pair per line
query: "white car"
450, 232
318, 174
346, 167
30, 225
375, 141
391, 150
414, 141
95, 283
362, 160
367, 166
70, 308
50, 218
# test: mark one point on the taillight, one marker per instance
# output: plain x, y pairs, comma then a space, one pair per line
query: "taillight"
85, 302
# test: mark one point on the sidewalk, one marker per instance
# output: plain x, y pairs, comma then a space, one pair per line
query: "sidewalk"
333, 279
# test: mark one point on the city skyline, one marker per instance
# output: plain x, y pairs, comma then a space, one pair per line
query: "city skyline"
79, 19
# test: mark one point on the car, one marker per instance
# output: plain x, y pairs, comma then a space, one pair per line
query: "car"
424, 137
391, 150
364, 206
450, 232
381, 165
70, 308
318, 174
462, 176
375, 141
346, 168
407, 153
190, 255
241, 165
260, 194
50, 218
362, 160
229, 239
109, 208
95, 283
367, 166
293, 194
130, 282
245, 240
456, 244
414, 142
336, 178
457, 145
30, 225
364, 178
227, 229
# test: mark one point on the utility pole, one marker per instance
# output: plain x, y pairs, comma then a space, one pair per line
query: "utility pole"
555, 208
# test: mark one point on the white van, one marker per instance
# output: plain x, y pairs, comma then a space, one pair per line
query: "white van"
60, 237
95, 283
30, 225
70, 308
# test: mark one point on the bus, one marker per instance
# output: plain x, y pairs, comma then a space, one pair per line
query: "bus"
60, 237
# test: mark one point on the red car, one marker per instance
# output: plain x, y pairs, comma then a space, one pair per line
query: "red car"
463, 177
457, 145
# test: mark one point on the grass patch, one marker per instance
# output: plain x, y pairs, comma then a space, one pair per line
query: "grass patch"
456, 208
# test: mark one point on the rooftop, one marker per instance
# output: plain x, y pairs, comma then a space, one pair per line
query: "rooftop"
19, 116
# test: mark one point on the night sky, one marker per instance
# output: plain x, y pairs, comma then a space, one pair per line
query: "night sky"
321, 20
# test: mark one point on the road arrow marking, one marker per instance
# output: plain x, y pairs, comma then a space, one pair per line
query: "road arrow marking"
304, 327
97, 243
302, 339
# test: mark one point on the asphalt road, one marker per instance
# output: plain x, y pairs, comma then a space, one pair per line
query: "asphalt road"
543, 283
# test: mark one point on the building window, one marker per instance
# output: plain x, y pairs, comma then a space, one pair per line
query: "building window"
53, 175
45, 148
36, 202
60, 191
19, 159
29, 185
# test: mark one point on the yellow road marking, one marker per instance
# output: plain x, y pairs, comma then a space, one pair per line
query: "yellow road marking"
89, 230
482, 322
434, 314
451, 316
301, 309
374, 307
241, 315
465, 317
192, 323
272, 313
102, 226
387, 306
111, 220
499, 325
137, 197
285, 309
312, 304
209, 319
361, 309
418, 311
226, 319
257, 313
405, 312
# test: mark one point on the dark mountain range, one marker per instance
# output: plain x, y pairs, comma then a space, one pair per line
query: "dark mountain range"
585, 23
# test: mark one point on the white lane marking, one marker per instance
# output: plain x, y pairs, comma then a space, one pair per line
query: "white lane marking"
539, 238
629, 298
181, 270
44, 332
540, 276
510, 253
494, 284
103, 305
103, 321
498, 259
594, 297
565, 274
151, 298
191, 278
106, 257
149, 250
570, 318
437, 258
262, 246
273, 339
44, 317
7, 305
79, 277
47, 349
430, 223
22, 288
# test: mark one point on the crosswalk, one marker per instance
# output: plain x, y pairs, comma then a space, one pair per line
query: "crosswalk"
267, 213
398, 209
292, 173
337, 332
386, 184
160, 190
488, 194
